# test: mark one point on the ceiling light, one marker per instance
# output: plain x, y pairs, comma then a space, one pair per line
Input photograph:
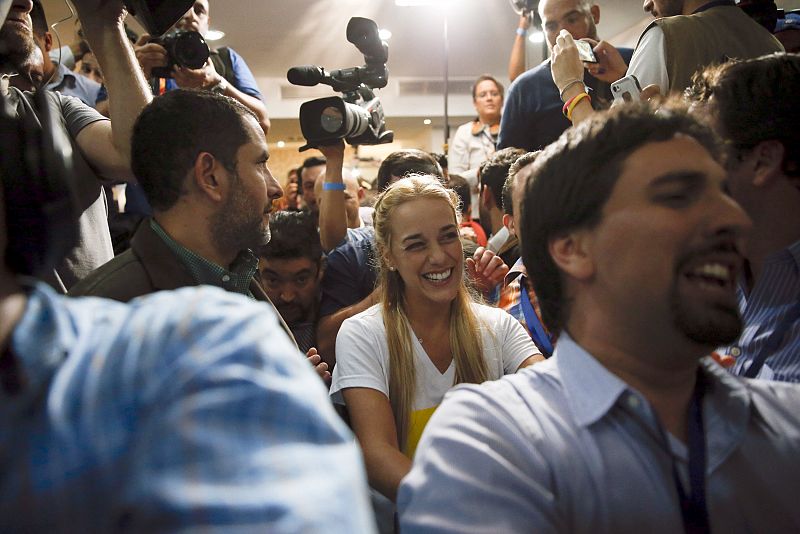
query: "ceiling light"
426, 121
384, 34
281, 144
214, 35
536, 37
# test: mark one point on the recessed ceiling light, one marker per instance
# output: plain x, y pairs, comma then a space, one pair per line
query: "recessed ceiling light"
214, 35
384, 34
536, 37
426, 121
281, 144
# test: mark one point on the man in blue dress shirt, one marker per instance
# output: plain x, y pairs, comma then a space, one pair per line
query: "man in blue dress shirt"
633, 248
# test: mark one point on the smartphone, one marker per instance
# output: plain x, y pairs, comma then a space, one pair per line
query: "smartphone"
585, 51
626, 89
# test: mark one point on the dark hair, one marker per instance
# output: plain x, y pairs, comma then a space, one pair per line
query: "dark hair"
440, 158
493, 171
572, 180
407, 161
294, 235
460, 185
173, 129
508, 187
489, 77
313, 161
754, 101
38, 19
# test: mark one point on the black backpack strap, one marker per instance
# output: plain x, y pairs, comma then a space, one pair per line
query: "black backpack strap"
221, 58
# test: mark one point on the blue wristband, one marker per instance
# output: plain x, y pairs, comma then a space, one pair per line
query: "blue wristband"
333, 186
522, 32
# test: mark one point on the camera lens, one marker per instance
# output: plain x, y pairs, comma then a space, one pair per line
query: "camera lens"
331, 119
190, 50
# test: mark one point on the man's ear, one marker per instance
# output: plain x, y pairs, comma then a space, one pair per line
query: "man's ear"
767, 162
508, 222
207, 176
571, 254
361, 193
486, 198
48, 43
595, 11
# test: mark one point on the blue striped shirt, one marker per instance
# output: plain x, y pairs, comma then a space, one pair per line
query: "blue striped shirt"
775, 295
182, 411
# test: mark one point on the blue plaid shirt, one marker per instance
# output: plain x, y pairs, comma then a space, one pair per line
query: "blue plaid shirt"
181, 411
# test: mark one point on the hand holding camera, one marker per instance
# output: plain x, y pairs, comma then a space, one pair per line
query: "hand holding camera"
188, 50
149, 54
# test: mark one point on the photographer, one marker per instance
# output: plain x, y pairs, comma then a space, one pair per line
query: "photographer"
225, 71
101, 152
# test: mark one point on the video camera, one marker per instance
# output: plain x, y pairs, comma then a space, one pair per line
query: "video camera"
357, 116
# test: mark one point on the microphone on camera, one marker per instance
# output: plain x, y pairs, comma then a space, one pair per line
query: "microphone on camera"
306, 75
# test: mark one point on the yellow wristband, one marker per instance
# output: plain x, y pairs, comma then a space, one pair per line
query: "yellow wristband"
574, 103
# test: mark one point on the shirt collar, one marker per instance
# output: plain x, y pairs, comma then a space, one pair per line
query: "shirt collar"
794, 251
517, 270
591, 389
478, 128
63, 77
236, 279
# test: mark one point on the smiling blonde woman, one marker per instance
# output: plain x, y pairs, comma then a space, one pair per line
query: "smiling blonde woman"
397, 359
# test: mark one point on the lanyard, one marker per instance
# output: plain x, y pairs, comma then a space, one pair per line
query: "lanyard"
693, 507
772, 344
540, 337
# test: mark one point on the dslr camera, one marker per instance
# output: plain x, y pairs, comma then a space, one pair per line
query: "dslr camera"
184, 48
357, 116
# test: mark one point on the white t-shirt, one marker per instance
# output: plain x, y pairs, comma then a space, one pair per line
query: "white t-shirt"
649, 61
362, 360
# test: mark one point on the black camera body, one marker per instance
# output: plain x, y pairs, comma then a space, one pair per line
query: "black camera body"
184, 48
37, 175
357, 116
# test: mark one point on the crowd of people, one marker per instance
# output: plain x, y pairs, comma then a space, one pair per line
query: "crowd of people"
584, 318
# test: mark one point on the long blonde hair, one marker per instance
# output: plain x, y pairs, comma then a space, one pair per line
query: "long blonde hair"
465, 342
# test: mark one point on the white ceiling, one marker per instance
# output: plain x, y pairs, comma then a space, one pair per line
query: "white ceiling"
275, 35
